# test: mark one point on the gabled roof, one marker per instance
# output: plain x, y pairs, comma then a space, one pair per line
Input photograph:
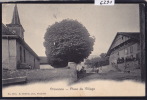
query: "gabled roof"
134, 35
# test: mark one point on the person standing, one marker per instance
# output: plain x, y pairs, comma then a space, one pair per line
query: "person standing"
97, 70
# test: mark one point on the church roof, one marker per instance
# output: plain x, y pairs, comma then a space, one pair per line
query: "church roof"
132, 35
6, 31
15, 19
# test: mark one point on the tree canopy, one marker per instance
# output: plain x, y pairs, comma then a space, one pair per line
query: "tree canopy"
67, 41
99, 61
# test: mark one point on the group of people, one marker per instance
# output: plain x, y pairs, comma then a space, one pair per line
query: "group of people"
83, 70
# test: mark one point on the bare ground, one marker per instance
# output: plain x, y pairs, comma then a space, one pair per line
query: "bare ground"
114, 75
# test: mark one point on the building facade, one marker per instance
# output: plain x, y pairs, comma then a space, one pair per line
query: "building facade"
125, 50
16, 53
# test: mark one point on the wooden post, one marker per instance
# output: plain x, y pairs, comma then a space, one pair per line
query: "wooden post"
142, 41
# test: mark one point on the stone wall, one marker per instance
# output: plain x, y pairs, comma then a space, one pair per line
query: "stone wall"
106, 69
130, 65
73, 67
9, 53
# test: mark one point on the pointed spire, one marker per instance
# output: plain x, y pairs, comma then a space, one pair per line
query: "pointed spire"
15, 19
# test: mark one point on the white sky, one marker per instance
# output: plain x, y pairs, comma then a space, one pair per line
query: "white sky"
103, 22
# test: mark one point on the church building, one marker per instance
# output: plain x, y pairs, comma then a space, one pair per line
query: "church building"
125, 50
16, 53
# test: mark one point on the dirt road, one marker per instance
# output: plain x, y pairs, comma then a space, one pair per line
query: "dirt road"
119, 76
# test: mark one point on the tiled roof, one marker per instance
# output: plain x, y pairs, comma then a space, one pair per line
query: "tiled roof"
135, 35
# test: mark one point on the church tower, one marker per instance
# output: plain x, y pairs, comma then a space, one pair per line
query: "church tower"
15, 26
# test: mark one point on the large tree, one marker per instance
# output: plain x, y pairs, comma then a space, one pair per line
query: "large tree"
67, 41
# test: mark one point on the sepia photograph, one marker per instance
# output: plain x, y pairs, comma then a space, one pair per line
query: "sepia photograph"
73, 50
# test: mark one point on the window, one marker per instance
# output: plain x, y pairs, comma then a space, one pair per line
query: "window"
20, 54
126, 51
24, 55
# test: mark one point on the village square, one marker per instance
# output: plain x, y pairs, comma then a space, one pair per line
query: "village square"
68, 47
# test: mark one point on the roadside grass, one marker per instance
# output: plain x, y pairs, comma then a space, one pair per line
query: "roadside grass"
42, 75
13, 73
45, 75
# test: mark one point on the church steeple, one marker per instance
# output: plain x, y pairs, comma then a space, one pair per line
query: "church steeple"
15, 26
15, 19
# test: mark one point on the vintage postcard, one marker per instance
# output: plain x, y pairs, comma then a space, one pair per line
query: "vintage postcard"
73, 50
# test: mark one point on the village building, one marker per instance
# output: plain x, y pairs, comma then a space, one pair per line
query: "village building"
44, 63
16, 53
125, 50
